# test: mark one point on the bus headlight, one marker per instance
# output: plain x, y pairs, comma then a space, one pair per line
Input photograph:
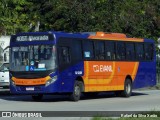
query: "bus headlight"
51, 80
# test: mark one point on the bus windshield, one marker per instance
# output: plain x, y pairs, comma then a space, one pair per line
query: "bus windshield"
33, 58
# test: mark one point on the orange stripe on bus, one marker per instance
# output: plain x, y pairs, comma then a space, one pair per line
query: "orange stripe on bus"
117, 39
135, 70
38, 81
113, 36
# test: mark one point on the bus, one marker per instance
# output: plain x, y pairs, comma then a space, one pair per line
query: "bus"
75, 63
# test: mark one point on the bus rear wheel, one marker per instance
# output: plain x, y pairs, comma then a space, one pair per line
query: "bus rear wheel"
127, 88
37, 97
76, 94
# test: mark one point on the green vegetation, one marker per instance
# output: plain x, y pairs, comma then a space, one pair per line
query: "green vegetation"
138, 18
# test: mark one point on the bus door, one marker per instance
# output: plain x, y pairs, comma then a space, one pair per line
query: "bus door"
64, 64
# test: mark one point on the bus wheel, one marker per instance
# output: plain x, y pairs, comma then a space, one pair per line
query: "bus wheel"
127, 88
37, 97
76, 94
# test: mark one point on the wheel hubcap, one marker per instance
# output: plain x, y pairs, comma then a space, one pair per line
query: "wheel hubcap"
128, 88
77, 91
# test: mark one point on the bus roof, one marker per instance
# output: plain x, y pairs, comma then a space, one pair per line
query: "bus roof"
114, 36
90, 35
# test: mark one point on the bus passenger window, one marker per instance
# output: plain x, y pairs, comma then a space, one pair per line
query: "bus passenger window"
121, 53
139, 51
99, 47
148, 51
110, 50
88, 50
130, 51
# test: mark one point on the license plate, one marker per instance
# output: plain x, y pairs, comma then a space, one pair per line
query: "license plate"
30, 88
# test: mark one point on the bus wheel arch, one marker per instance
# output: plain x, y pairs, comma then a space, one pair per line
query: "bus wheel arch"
80, 79
77, 89
129, 77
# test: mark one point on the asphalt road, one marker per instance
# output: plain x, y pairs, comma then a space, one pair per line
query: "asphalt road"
144, 100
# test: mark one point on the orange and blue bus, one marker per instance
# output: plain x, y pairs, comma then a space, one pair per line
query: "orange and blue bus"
74, 63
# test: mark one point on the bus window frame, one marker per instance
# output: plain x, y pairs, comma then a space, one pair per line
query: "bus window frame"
116, 49
151, 52
93, 50
97, 46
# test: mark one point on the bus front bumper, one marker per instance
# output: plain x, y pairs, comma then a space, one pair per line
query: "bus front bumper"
38, 89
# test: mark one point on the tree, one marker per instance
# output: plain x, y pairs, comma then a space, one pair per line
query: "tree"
13, 16
138, 18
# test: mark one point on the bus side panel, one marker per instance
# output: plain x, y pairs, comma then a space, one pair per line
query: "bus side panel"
68, 76
107, 76
146, 75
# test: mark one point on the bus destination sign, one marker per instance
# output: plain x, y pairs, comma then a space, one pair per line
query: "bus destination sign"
32, 38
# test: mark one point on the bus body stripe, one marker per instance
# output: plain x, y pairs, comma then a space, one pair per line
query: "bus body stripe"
135, 70
117, 39
38, 81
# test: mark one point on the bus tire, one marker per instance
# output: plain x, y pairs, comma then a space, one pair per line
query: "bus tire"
127, 88
76, 94
37, 97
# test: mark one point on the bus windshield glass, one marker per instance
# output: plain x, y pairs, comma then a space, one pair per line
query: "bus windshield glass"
33, 58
